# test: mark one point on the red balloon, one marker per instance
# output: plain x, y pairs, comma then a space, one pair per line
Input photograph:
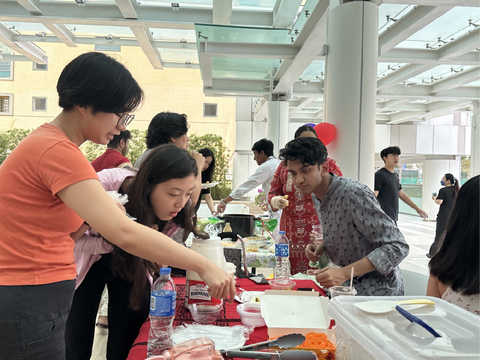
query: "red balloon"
326, 132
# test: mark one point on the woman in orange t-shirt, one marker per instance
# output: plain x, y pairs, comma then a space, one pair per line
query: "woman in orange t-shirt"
50, 194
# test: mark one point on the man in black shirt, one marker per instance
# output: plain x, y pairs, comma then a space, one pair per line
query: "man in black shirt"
388, 188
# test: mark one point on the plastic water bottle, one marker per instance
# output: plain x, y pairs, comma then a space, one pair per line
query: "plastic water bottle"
162, 313
282, 264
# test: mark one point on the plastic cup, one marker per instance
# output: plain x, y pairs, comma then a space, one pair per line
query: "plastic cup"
317, 232
342, 291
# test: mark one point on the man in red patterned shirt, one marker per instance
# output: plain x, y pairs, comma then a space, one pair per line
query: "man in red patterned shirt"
114, 157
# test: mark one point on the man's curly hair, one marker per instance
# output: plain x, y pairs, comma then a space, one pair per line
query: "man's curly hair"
310, 151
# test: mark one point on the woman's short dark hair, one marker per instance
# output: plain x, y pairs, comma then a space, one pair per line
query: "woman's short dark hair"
207, 175
308, 150
164, 163
456, 263
97, 80
304, 128
263, 145
165, 126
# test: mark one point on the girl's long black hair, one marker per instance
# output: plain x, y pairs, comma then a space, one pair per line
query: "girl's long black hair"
207, 175
456, 263
164, 163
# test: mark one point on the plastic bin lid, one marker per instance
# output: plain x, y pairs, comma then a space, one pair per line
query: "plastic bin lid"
388, 336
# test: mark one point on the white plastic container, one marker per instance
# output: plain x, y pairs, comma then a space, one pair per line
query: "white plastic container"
361, 335
196, 290
251, 315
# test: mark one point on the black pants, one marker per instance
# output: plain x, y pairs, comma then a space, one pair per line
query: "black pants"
32, 320
123, 322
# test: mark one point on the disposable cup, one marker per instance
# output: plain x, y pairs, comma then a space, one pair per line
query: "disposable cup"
342, 291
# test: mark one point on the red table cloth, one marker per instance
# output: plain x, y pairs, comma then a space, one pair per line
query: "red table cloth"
228, 316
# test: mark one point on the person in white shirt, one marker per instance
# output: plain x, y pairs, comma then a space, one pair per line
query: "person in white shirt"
263, 155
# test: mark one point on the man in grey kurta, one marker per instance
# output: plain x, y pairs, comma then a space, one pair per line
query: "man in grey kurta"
357, 233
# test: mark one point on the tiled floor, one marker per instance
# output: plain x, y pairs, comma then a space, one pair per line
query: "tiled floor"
418, 233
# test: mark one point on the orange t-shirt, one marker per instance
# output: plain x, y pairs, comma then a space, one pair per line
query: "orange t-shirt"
35, 225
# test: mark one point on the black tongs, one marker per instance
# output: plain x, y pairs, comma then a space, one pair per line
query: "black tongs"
283, 342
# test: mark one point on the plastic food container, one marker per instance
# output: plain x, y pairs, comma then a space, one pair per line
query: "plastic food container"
361, 335
205, 313
251, 315
287, 286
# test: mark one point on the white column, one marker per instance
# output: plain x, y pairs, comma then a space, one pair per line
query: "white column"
277, 124
351, 85
475, 146
433, 171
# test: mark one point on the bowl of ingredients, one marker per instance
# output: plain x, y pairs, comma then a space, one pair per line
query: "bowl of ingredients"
206, 312
251, 315
287, 285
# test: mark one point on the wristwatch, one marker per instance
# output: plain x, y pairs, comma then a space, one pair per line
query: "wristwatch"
223, 202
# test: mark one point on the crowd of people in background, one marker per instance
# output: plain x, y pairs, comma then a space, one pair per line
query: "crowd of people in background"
64, 239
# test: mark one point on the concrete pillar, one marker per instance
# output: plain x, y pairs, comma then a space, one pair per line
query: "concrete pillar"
351, 85
277, 124
475, 144
433, 171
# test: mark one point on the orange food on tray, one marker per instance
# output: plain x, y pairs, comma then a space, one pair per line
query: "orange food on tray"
315, 341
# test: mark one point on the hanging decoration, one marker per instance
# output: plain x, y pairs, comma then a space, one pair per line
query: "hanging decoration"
325, 132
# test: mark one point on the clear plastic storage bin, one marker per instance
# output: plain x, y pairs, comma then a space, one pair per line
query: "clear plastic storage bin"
361, 335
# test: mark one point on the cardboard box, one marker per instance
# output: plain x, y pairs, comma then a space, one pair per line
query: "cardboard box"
287, 312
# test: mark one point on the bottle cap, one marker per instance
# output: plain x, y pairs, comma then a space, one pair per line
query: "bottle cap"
281, 232
165, 271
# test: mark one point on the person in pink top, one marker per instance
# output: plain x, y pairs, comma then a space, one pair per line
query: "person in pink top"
158, 196
299, 216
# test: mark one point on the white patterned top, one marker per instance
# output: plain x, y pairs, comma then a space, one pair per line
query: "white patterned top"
467, 302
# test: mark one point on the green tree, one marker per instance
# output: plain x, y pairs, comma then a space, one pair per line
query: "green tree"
9, 140
222, 158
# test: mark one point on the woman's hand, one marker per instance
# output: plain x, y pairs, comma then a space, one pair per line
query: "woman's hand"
219, 282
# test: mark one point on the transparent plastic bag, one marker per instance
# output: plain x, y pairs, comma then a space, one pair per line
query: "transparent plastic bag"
224, 337
121, 199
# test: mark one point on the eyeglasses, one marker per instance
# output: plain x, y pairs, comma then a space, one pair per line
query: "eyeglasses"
125, 119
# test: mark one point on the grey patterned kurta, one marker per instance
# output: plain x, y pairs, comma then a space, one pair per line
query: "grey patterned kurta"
355, 227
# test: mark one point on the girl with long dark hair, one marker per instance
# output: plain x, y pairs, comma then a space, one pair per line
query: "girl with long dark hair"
445, 198
207, 177
158, 197
454, 269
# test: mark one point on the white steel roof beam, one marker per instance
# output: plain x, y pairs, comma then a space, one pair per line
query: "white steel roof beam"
470, 3
422, 92
127, 9
402, 74
62, 33
30, 7
28, 49
109, 15
461, 46
284, 12
389, 104
248, 50
206, 69
409, 24
145, 41
103, 41
309, 49
302, 104
222, 12
463, 78
421, 56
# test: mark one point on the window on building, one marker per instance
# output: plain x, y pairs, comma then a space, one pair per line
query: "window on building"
6, 70
39, 103
6, 103
42, 67
210, 110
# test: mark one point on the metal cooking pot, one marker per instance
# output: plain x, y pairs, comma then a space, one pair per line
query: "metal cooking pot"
242, 224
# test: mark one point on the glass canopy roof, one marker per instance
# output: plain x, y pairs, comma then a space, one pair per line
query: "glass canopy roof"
260, 41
